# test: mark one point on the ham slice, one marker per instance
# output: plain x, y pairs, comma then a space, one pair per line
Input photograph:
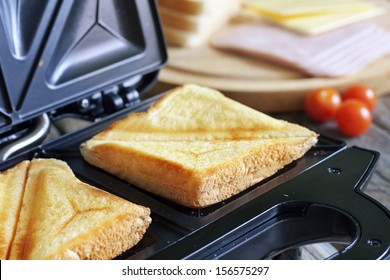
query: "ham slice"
341, 52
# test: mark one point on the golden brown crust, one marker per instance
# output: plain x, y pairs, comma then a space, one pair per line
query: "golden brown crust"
165, 178
187, 186
230, 179
125, 231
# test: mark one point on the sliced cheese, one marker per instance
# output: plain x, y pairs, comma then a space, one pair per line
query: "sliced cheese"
288, 8
315, 24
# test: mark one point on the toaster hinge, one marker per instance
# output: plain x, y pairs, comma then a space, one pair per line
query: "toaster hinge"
31, 134
102, 103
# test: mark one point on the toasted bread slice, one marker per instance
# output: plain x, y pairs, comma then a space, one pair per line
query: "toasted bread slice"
12, 184
196, 147
64, 218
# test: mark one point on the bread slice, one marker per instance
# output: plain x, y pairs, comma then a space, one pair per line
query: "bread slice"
197, 147
64, 218
184, 22
191, 7
191, 30
12, 184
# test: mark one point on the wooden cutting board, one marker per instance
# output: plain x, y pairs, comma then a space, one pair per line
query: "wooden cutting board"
261, 85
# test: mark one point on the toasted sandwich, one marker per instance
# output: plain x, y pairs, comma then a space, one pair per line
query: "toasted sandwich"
197, 147
53, 215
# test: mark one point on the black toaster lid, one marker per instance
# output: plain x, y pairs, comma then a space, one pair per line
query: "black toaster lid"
55, 52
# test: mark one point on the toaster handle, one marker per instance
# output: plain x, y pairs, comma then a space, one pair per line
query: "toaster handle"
348, 174
324, 204
337, 183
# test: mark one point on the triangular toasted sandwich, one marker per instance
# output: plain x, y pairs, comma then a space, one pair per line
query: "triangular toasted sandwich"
197, 147
60, 217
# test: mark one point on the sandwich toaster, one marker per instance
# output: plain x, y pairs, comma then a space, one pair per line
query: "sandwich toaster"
97, 60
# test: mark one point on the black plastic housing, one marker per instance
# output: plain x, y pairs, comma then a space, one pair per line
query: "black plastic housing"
56, 52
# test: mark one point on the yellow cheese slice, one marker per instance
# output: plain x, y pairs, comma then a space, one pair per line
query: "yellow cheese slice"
312, 25
316, 17
293, 8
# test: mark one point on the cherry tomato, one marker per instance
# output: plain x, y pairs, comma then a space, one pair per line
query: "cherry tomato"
353, 117
363, 93
321, 104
